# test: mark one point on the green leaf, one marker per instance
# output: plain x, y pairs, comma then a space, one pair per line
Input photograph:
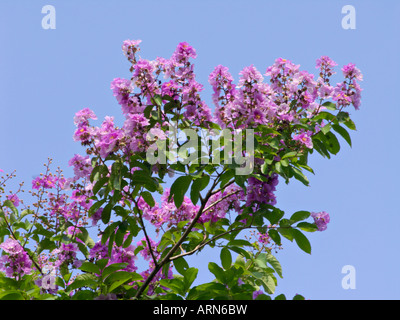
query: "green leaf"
344, 117
189, 277
302, 241
113, 268
226, 177
197, 186
275, 264
83, 280
179, 188
343, 132
306, 226
275, 236
175, 284
300, 176
90, 267
326, 128
287, 233
11, 295
180, 265
269, 284
10, 205
217, 271
332, 143
116, 175
299, 215
96, 206
106, 213
290, 154
329, 105
148, 198
226, 258
118, 278
99, 184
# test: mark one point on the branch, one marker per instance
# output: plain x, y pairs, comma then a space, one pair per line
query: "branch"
167, 257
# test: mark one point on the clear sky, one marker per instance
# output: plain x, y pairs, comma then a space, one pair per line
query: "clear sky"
48, 75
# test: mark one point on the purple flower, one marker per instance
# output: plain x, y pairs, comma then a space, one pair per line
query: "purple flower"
351, 71
82, 166
83, 116
304, 138
14, 199
121, 89
325, 63
16, 262
321, 219
183, 52
257, 293
130, 47
250, 74
11, 246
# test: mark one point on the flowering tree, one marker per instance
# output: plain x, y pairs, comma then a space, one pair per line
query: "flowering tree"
213, 174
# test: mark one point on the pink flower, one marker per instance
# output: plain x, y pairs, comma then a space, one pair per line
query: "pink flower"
321, 219
14, 199
83, 116
183, 52
130, 47
304, 138
351, 71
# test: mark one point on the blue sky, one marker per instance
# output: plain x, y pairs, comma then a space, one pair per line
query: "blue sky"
48, 75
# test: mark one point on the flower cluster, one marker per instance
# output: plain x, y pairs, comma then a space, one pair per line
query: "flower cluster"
261, 191
66, 255
16, 262
321, 219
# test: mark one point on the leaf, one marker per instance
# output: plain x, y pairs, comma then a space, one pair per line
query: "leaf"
113, 268
329, 105
11, 295
118, 278
116, 176
306, 226
275, 236
180, 265
302, 241
96, 206
226, 258
148, 198
197, 186
90, 267
299, 215
269, 284
175, 284
10, 204
332, 143
300, 176
217, 271
290, 154
106, 213
189, 277
83, 280
179, 188
275, 264
326, 128
287, 233
343, 132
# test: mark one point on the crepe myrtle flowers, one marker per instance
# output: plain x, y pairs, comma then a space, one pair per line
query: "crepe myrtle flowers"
116, 191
